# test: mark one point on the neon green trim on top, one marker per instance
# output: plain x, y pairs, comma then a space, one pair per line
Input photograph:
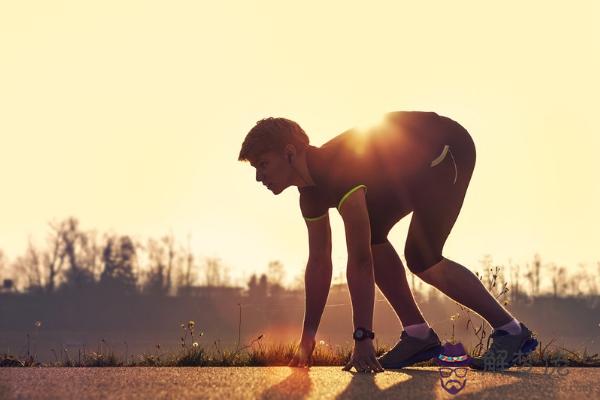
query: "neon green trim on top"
354, 189
315, 218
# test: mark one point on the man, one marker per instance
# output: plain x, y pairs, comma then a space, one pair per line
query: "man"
417, 162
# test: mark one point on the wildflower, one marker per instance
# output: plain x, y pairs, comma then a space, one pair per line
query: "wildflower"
321, 342
191, 324
183, 326
38, 324
505, 302
195, 344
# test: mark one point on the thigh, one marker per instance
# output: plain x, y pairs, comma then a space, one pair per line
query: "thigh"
437, 199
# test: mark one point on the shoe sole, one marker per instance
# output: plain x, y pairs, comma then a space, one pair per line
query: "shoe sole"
424, 356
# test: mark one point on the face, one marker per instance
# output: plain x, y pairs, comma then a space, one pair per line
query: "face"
273, 170
453, 380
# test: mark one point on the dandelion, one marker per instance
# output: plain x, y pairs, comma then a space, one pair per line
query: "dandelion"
191, 324
38, 324
195, 344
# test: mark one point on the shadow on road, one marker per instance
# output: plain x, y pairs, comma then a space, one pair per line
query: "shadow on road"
297, 386
526, 384
421, 384
414, 384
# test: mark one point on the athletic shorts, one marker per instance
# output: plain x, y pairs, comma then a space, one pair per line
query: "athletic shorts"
437, 196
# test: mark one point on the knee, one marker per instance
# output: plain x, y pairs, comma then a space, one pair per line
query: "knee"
420, 265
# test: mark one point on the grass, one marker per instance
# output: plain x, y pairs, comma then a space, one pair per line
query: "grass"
276, 355
192, 353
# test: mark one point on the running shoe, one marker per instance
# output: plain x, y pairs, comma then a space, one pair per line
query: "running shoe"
410, 350
506, 350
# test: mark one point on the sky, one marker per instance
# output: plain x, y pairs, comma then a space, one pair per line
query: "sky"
130, 115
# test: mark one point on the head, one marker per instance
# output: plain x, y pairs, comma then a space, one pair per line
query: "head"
273, 146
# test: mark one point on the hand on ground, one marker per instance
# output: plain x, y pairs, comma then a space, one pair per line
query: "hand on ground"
363, 358
303, 356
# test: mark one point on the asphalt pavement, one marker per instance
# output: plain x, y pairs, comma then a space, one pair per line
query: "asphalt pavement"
293, 383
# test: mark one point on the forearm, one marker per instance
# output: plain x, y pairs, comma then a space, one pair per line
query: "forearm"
317, 281
361, 284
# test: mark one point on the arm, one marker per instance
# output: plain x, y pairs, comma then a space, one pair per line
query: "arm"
361, 282
317, 280
317, 277
359, 273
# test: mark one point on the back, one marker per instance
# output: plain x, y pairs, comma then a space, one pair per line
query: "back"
384, 158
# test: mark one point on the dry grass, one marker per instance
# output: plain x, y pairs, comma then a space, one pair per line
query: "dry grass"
193, 353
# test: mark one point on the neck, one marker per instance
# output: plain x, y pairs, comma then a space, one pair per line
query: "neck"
303, 178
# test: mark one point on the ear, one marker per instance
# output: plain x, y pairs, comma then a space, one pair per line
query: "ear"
290, 151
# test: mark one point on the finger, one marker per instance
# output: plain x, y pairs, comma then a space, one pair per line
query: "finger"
294, 362
362, 366
375, 364
368, 366
304, 359
348, 366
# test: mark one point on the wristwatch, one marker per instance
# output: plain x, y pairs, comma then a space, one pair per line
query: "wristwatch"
362, 333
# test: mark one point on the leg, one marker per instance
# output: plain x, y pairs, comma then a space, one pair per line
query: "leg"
437, 203
461, 285
390, 277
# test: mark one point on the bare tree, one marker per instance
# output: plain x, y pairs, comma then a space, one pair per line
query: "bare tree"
80, 272
163, 258
216, 273
533, 275
186, 269
559, 281
28, 268
6, 281
275, 274
119, 257
515, 273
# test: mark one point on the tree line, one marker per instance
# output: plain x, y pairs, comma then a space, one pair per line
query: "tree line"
75, 259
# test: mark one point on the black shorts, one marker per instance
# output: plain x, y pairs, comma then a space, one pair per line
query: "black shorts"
437, 197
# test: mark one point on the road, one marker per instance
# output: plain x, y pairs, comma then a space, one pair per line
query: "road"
290, 383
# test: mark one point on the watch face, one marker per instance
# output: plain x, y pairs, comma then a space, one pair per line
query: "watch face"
359, 334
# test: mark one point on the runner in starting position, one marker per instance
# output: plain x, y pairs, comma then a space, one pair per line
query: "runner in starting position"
413, 161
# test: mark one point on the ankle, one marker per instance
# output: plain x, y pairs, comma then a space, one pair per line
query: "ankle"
513, 327
420, 331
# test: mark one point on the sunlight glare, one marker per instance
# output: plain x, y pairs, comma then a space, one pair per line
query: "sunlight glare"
368, 123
